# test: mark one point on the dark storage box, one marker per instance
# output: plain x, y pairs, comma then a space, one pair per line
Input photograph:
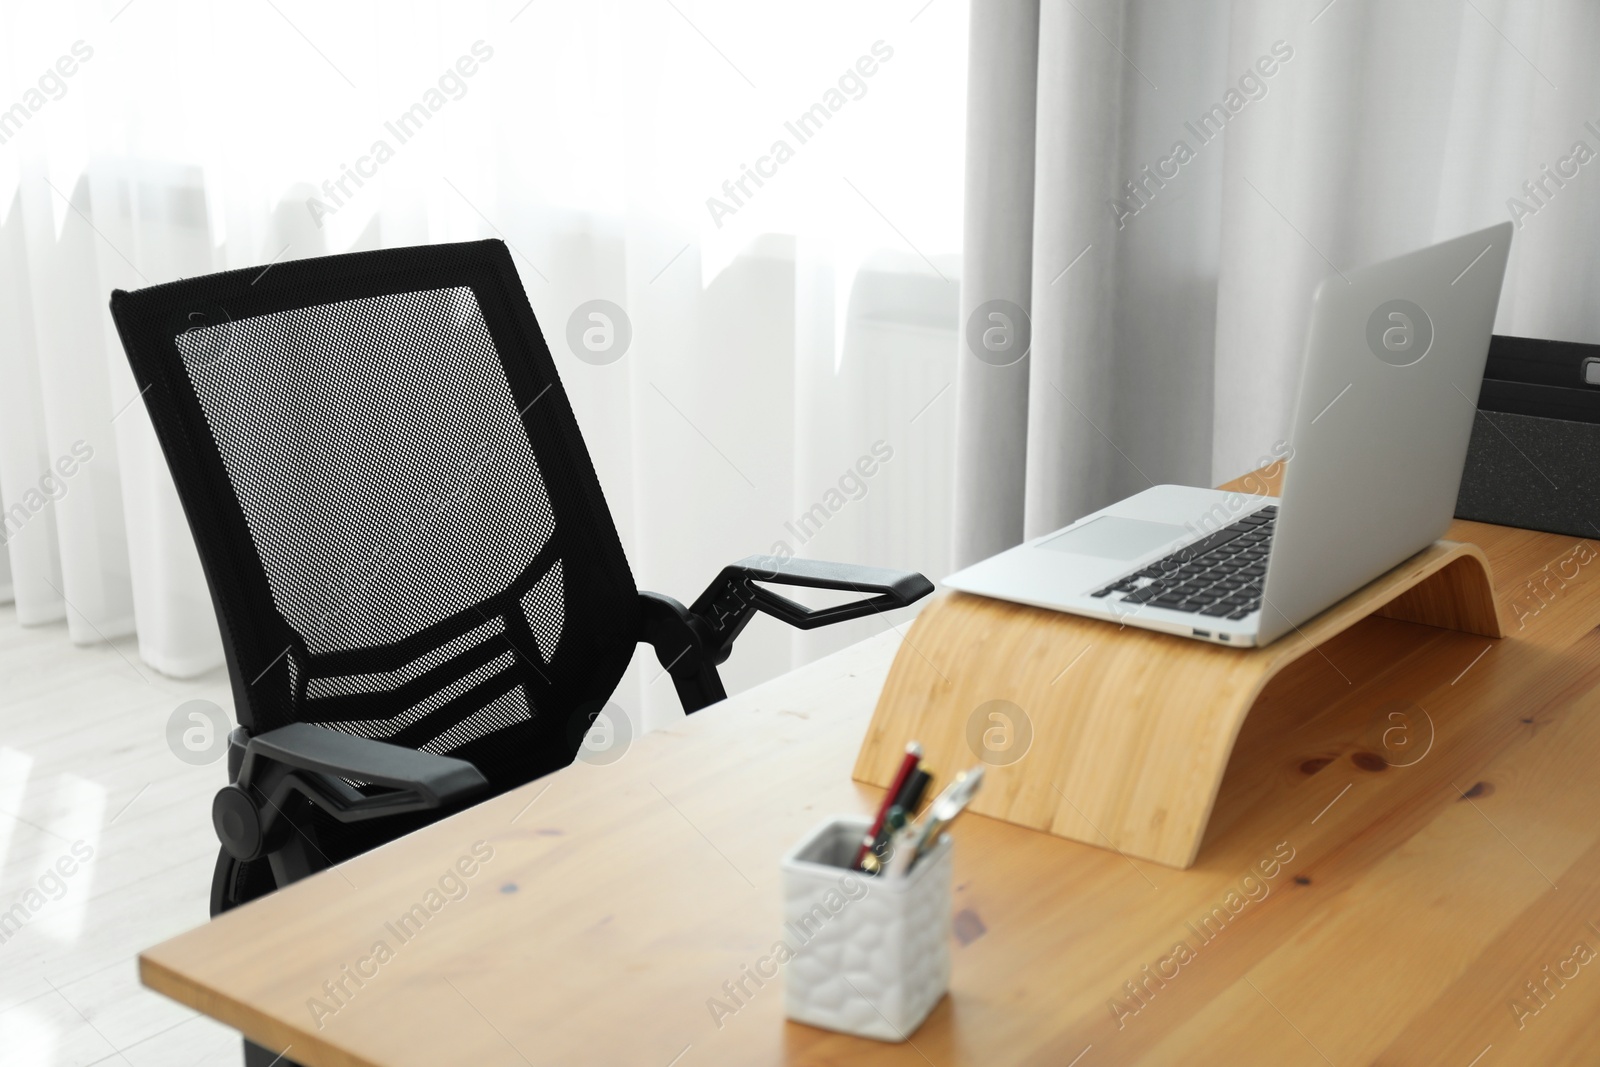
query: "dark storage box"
1534, 460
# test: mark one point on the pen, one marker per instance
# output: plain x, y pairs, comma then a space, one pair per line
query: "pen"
877, 860
904, 851
905, 804
944, 809
911, 796
907, 765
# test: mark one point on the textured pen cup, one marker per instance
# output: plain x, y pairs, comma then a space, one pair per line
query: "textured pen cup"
872, 955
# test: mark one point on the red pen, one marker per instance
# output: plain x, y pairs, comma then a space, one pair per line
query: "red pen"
907, 765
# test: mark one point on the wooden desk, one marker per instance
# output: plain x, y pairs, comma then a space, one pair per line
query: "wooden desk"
1434, 872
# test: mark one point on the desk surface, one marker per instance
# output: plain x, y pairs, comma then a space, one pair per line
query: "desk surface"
1429, 797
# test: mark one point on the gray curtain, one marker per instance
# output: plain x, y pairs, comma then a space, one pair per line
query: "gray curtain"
1160, 185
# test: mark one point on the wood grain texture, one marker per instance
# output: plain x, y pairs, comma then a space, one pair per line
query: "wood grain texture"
1424, 799
1457, 596
1113, 735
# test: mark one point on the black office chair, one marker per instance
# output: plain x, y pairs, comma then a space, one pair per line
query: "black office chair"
422, 597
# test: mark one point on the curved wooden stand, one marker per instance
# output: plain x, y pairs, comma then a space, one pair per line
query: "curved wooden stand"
1131, 729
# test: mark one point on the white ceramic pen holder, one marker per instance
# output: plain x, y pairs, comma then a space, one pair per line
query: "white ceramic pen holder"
871, 954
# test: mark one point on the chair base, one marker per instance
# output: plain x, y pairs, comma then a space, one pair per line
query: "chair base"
1114, 736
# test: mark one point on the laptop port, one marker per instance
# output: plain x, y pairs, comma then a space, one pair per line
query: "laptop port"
1202, 633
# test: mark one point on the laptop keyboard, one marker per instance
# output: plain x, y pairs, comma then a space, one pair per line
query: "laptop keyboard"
1219, 576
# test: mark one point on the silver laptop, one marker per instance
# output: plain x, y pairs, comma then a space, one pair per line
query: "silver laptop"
1393, 361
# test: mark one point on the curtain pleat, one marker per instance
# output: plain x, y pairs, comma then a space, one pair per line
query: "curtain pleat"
997, 266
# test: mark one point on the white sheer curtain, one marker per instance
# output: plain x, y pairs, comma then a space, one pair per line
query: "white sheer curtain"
1169, 287
792, 309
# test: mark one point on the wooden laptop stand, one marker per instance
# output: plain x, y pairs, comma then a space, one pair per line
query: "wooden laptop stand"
1130, 729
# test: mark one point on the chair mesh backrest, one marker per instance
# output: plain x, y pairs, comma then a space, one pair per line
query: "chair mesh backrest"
436, 500
402, 529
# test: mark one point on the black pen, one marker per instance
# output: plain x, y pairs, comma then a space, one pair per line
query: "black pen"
910, 798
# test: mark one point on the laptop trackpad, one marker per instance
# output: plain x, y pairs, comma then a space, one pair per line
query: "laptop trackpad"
1113, 537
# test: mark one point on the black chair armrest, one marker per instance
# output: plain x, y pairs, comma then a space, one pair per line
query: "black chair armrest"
690, 642
314, 762
728, 603
432, 780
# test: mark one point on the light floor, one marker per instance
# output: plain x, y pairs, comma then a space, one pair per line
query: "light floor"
84, 760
